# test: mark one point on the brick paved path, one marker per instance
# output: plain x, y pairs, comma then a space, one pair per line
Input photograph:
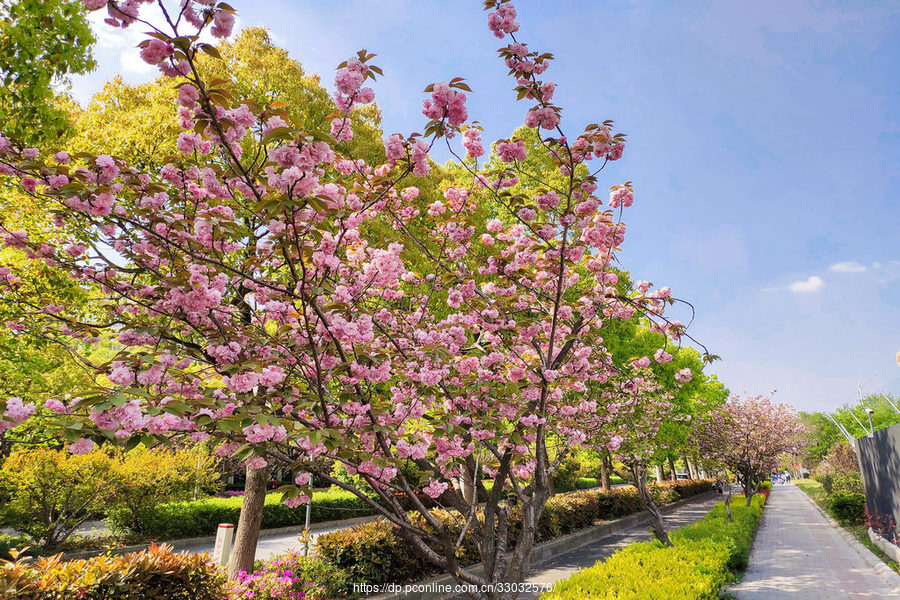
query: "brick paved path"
801, 556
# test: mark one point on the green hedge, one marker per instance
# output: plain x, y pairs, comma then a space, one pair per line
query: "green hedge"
586, 483
202, 517
703, 559
849, 507
156, 574
374, 553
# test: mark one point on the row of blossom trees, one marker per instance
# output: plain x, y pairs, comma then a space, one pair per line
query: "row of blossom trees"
747, 436
274, 292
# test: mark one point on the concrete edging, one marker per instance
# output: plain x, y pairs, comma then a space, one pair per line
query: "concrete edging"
892, 550
870, 558
181, 544
541, 552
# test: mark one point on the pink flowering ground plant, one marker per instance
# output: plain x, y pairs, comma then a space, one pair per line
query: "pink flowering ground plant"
277, 294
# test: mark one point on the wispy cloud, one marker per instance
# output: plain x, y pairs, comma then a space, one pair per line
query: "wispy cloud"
812, 284
848, 266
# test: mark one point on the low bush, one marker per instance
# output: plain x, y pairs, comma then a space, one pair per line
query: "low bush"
849, 507
145, 478
8, 542
156, 574
566, 475
766, 485
847, 483
703, 559
372, 553
52, 491
202, 517
827, 481
290, 576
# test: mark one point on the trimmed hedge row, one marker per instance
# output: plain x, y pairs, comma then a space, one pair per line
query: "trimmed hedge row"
704, 558
202, 517
156, 574
374, 553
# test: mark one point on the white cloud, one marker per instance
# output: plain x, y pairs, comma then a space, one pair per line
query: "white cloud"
812, 284
848, 266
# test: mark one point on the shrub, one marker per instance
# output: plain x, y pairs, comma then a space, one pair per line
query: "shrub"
827, 481
8, 542
371, 553
52, 492
700, 563
146, 478
847, 483
156, 574
289, 575
849, 507
670, 491
766, 485
566, 474
202, 517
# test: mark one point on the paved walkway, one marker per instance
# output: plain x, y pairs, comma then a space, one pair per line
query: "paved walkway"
564, 565
799, 555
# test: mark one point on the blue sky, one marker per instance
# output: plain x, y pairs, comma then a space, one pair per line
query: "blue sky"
764, 141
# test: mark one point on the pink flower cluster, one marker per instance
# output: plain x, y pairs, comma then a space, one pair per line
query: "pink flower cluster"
503, 20
446, 102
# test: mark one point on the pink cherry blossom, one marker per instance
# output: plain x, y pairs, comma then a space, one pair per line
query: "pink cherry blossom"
81, 446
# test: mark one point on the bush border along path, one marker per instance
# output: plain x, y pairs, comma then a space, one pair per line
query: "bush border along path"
705, 557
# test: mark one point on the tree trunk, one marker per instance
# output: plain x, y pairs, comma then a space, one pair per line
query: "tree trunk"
750, 487
604, 475
656, 520
247, 534
727, 485
672, 466
687, 466
659, 474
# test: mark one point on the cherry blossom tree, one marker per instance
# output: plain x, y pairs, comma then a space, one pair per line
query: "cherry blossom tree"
276, 293
747, 435
629, 419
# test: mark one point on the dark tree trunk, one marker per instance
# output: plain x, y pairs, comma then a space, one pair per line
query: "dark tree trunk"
672, 467
247, 534
751, 485
604, 475
656, 519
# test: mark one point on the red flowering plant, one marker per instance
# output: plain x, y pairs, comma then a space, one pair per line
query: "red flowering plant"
883, 525
274, 292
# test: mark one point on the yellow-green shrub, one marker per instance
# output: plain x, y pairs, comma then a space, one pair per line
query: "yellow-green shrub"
700, 563
156, 574
52, 492
147, 478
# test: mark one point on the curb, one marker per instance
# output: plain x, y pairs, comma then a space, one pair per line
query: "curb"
870, 558
429, 589
183, 543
